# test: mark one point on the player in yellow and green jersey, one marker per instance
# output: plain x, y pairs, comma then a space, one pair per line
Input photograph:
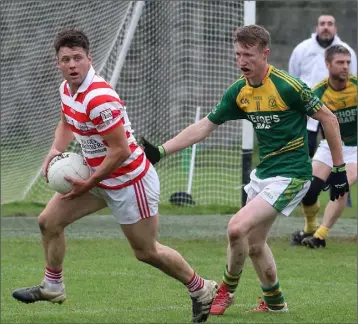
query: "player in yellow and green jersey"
339, 93
277, 105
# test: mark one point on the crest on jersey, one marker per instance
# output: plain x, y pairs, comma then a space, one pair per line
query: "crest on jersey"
306, 95
82, 127
272, 102
106, 115
244, 101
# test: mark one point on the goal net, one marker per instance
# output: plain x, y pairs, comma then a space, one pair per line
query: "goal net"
180, 58
30, 102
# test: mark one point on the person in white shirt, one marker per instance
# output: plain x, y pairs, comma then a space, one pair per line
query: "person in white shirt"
307, 62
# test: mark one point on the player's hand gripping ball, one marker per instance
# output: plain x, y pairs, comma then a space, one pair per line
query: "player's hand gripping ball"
67, 164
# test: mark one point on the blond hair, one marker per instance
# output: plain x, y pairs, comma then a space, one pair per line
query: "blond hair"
252, 35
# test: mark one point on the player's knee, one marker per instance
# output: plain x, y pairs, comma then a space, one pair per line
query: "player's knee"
236, 231
313, 192
47, 225
256, 250
147, 256
42, 221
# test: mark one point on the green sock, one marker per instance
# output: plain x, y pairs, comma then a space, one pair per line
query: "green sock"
273, 296
230, 280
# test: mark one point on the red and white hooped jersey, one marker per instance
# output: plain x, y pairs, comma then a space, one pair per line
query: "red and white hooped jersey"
95, 110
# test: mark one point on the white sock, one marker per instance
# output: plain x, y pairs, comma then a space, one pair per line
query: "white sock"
53, 279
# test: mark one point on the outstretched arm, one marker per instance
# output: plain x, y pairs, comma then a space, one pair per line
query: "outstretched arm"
194, 133
226, 109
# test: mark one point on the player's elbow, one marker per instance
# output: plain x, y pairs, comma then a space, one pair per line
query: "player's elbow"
329, 120
125, 152
120, 154
326, 117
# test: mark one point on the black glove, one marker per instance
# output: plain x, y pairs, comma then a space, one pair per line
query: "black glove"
153, 153
337, 182
327, 184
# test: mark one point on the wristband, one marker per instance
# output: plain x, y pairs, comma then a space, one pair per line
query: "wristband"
339, 168
161, 151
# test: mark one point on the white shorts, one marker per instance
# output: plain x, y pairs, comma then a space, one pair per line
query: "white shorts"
323, 154
283, 194
135, 202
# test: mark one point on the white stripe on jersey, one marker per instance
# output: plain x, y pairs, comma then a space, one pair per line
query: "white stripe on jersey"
92, 145
99, 92
68, 101
96, 112
113, 182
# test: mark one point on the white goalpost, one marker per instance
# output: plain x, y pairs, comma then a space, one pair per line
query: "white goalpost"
127, 42
247, 129
192, 159
164, 58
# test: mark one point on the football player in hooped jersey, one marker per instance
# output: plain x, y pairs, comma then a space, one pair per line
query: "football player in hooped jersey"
122, 178
277, 105
339, 93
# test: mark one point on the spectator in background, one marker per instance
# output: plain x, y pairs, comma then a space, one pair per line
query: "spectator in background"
307, 62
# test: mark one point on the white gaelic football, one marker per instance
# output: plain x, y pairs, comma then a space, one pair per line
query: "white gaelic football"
67, 164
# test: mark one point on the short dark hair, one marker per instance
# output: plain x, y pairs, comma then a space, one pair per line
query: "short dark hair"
326, 14
251, 35
334, 50
71, 37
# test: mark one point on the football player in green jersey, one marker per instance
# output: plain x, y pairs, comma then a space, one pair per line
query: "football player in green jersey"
339, 93
277, 105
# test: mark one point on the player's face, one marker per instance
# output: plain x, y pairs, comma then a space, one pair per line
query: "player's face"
251, 60
74, 64
339, 67
326, 28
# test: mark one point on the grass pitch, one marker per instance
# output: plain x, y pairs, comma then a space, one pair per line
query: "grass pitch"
106, 284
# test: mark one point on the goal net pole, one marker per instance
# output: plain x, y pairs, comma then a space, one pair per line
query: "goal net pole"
247, 129
121, 27
127, 42
192, 159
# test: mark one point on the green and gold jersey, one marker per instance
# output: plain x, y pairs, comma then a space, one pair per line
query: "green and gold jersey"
277, 108
344, 105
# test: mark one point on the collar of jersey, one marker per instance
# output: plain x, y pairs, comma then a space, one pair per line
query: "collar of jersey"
263, 81
338, 91
87, 81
